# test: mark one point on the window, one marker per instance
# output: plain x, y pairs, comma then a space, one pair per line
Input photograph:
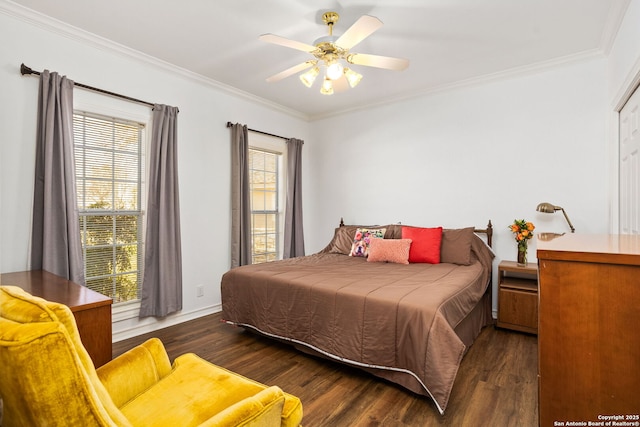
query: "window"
109, 178
265, 185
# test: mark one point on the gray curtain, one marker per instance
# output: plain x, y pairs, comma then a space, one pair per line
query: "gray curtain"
240, 197
293, 234
55, 238
162, 283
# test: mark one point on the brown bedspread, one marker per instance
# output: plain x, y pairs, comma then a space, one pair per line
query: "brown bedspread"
374, 315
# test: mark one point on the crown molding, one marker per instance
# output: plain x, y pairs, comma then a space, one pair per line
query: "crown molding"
630, 84
612, 25
74, 33
511, 73
48, 23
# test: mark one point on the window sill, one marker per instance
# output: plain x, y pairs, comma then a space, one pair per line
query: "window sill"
125, 311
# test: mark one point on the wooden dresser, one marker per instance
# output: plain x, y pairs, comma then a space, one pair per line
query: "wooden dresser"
91, 309
589, 329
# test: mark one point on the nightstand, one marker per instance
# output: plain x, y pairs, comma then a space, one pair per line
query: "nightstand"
518, 297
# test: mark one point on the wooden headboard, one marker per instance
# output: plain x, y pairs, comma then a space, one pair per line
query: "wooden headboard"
488, 231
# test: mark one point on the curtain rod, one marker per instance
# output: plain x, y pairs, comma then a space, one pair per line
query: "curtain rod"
26, 70
229, 124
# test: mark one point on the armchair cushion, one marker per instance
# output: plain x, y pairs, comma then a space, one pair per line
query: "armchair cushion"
197, 390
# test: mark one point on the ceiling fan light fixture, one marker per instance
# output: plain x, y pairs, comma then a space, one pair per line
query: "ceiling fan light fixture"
352, 77
333, 53
327, 87
335, 70
307, 78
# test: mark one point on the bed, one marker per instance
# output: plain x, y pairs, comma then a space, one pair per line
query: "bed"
409, 323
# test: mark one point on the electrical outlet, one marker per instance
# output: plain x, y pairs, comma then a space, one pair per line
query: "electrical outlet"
199, 291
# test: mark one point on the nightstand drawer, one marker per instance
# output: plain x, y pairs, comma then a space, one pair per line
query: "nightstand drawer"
518, 310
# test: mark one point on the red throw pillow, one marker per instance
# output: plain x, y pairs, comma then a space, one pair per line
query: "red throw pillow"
425, 244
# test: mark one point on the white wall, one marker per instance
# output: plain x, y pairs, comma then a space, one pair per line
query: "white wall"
462, 157
623, 76
204, 153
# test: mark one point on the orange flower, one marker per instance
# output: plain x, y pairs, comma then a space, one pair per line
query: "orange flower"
522, 229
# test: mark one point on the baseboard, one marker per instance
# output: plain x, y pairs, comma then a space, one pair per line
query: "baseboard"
150, 324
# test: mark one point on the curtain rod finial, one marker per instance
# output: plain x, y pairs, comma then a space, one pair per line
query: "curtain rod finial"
25, 70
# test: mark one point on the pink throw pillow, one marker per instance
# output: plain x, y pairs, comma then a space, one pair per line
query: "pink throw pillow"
425, 245
389, 250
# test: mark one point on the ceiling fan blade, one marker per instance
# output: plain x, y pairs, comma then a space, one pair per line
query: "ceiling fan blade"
272, 38
360, 30
341, 84
386, 62
292, 70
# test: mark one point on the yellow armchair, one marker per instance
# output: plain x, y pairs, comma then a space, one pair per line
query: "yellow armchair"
47, 378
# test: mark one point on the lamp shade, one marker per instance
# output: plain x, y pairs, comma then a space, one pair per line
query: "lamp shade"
309, 77
547, 208
352, 77
327, 87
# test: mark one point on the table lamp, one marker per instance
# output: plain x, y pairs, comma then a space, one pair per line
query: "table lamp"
550, 208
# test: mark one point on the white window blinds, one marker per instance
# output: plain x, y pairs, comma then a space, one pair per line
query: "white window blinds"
109, 178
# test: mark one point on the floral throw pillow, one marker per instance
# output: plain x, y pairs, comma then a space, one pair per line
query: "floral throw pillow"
360, 246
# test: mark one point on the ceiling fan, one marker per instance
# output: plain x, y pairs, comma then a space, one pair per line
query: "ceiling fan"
329, 51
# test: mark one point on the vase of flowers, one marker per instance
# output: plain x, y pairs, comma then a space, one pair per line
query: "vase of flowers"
523, 231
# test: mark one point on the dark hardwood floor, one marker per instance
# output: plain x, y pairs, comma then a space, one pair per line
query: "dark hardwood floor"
496, 385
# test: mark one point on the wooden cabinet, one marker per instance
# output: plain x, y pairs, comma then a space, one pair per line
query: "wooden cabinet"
91, 309
518, 296
588, 336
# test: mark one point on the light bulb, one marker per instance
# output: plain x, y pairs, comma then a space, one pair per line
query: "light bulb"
334, 71
327, 87
309, 77
352, 77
